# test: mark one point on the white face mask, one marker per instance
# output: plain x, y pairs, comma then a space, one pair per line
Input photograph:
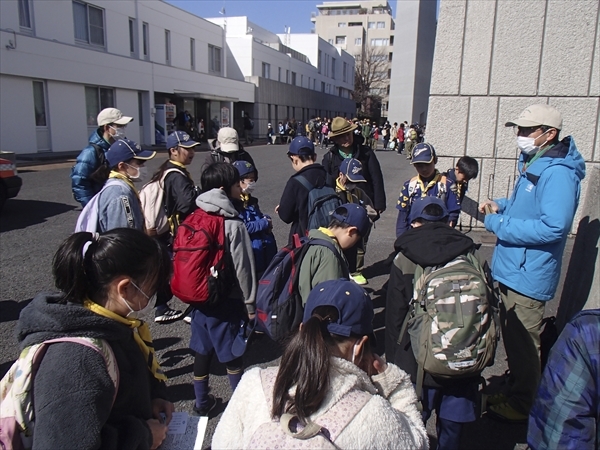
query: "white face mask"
142, 173
250, 187
527, 144
119, 133
133, 314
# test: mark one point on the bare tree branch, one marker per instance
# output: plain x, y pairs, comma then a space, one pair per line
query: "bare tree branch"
371, 78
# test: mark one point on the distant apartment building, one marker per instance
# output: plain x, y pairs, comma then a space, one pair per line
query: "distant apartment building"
297, 76
364, 29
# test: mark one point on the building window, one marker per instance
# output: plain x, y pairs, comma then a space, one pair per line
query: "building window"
391, 55
145, 40
340, 40
193, 54
279, 74
214, 59
355, 24
391, 40
371, 25
341, 24
25, 14
168, 47
287, 76
319, 57
140, 109
294, 78
96, 99
333, 68
322, 86
358, 41
132, 33
301, 80
89, 24
379, 42
380, 24
39, 104
345, 72
266, 70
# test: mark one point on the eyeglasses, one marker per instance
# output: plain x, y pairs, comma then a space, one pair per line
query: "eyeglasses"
525, 131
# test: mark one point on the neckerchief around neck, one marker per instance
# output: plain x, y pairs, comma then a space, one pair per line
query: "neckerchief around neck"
432, 183
141, 335
125, 178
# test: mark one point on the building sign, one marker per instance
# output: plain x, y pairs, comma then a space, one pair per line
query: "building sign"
225, 116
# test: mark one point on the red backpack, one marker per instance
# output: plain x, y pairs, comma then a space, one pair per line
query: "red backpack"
203, 270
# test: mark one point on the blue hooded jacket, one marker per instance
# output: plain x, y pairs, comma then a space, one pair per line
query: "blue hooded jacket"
532, 225
84, 188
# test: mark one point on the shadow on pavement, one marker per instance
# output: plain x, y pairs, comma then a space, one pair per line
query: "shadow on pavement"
4, 367
10, 309
18, 214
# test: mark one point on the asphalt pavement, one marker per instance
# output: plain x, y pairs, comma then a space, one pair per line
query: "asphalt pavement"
33, 225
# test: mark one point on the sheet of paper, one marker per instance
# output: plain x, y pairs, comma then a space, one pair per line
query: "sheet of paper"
185, 432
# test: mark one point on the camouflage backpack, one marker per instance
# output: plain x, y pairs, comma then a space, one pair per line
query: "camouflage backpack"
452, 320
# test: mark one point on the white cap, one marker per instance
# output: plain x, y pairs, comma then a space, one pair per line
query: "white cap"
112, 115
228, 140
538, 115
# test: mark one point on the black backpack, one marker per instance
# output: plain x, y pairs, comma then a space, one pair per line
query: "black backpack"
279, 308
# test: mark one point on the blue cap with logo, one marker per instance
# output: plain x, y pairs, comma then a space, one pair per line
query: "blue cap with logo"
354, 215
417, 207
352, 168
243, 167
180, 139
126, 149
301, 145
423, 153
354, 306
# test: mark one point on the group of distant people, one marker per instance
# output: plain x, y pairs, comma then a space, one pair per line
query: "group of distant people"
329, 388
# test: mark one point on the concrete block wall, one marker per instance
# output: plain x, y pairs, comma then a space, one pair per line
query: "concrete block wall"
493, 59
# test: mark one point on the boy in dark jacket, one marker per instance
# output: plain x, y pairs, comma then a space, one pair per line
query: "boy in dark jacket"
466, 170
259, 226
429, 242
293, 206
344, 146
428, 182
227, 148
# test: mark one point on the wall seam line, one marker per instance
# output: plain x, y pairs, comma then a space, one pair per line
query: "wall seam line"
489, 86
539, 75
596, 37
462, 50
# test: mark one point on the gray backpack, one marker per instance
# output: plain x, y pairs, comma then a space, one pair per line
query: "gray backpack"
283, 433
452, 320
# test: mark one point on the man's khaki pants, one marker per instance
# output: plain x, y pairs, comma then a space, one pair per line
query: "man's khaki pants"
521, 319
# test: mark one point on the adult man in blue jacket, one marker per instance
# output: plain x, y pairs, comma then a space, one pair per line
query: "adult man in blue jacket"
531, 227
111, 127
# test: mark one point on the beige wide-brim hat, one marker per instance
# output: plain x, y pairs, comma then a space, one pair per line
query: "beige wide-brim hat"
341, 126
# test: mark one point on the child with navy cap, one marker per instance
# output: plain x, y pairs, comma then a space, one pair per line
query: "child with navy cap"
347, 185
429, 242
259, 225
293, 206
429, 182
329, 377
349, 224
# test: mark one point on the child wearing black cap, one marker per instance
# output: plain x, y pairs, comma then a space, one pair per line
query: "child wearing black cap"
259, 225
429, 242
293, 206
348, 226
347, 186
428, 183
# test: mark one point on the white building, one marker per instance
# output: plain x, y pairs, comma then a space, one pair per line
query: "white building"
365, 29
297, 76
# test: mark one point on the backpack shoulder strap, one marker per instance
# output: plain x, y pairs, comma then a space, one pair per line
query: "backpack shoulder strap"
99, 345
304, 182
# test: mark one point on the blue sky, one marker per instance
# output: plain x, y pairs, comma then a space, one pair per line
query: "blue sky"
274, 15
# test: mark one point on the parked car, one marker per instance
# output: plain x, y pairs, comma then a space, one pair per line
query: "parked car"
10, 181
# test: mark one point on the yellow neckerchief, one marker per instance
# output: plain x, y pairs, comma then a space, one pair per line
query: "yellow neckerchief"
183, 166
126, 179
245, 198
432, 183
141, 335
344, 190
327, 232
